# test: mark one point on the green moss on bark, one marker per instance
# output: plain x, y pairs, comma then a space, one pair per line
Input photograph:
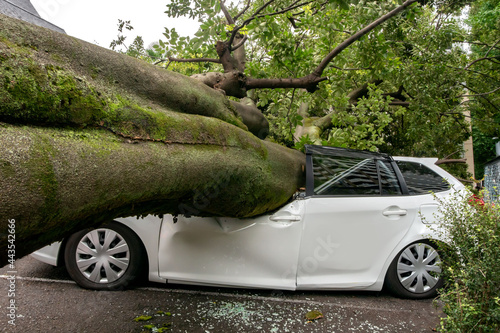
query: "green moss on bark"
38, 94
51, 96
108, 73
68, 178
43, 179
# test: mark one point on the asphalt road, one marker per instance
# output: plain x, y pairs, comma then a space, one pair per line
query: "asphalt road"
45, 300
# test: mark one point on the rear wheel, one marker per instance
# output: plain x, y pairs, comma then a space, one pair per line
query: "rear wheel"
416, 271
107, 258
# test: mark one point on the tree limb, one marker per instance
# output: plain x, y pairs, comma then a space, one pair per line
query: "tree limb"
475, 72
240, 44
256, 15
236, 29
482, 59
229, 19
351, 69
491, 48
217, 61
479, 94
400, 103
243, 11
309, 82
342, 46
451, 161
477, 43
357, 93
483, 94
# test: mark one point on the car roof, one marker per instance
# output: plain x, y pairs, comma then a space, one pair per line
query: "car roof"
423, 160
336, 151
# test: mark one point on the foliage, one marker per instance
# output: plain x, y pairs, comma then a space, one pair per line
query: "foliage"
484, 150
483, 78
417, 58
303, 141
364, 126
471, 259
407, 51
135, 49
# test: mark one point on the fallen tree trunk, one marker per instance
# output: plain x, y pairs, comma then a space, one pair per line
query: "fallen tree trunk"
88, 135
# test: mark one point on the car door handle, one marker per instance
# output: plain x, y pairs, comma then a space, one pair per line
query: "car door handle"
285, 218
399, 212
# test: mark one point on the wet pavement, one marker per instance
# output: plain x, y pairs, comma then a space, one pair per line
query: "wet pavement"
43, 299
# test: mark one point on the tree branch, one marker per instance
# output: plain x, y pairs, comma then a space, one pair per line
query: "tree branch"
475, 72
352, 69
481, 59
342, 46
311, 81
256, 15
477, 43
359, 92
450, 161
483, 94
324, 122
237, 29
229, 19
240, 44
308, 82
171, 59
491, 48
242, 12
399, 103
289, 8
486, 99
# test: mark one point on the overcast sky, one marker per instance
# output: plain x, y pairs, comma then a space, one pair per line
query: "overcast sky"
96, 20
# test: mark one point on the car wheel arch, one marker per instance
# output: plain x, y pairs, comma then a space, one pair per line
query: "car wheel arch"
435, 243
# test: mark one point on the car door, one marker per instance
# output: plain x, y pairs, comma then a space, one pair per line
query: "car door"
259, 252
355, 215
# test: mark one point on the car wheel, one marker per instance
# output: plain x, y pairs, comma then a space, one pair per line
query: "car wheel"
415, 272
107, 258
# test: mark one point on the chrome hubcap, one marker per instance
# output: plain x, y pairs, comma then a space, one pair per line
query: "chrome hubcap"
419, 268
102, 256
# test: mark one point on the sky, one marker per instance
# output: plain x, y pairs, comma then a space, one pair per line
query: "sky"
96, 21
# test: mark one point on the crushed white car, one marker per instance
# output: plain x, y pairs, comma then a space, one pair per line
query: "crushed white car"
361, 223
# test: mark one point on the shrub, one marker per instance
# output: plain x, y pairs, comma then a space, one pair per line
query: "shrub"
471, 264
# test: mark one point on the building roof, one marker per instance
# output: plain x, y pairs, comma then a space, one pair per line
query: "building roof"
24, 10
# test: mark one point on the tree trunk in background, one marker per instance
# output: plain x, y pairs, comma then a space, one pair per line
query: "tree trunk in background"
88, 135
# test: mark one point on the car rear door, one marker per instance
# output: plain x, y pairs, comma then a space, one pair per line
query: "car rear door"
355, 215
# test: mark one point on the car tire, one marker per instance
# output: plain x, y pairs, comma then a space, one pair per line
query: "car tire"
107, 258
415, 272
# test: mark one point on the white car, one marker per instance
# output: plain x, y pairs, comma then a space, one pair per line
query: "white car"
361, 223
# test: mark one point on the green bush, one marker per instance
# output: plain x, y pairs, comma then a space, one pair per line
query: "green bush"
471, 264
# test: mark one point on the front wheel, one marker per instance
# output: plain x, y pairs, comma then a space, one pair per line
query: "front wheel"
107, 258
415, 272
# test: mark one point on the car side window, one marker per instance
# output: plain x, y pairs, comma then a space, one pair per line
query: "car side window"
337, 175
420, 179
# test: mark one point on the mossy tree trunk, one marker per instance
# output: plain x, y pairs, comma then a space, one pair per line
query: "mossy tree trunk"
88, 135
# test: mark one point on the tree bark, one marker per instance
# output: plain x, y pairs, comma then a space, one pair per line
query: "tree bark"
88, 135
